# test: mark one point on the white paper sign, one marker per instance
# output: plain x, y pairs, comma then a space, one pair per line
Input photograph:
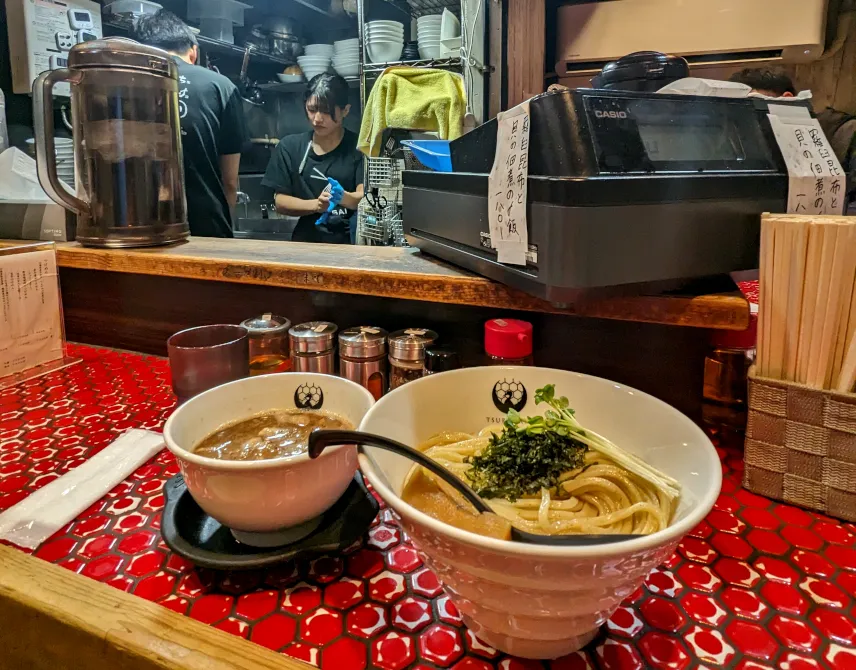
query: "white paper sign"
507, 186
817, 184
30, 313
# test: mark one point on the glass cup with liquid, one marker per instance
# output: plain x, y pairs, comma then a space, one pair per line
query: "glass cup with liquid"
269, 351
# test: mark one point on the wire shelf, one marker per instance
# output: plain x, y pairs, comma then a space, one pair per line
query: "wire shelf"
422, 7
436, 63
125, 23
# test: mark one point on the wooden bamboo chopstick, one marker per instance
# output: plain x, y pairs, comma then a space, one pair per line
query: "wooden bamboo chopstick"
812, 278
838, 289
847, 320
807, 310
799, 252
782, 234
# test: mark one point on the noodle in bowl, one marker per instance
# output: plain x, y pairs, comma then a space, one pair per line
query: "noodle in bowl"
541, 601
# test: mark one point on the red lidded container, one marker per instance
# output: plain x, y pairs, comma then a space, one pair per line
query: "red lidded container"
508, 342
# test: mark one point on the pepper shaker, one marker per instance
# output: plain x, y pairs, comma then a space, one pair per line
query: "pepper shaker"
313, 347
362, 358
407, 354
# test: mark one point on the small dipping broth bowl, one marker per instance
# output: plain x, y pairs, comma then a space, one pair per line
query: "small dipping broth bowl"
266, 496
538, 601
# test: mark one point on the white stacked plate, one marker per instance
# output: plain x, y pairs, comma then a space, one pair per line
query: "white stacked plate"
384, 41
428, 30
346, 57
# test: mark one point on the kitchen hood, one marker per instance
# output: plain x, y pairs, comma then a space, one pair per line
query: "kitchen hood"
590, 34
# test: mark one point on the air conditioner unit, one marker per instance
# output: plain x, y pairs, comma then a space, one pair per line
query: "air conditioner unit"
720, 32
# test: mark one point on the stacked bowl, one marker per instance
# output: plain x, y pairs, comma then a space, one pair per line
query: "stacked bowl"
316, 59
428, 35
346, 57
384, 41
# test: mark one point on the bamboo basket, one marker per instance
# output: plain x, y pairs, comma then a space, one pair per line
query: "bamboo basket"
801, 446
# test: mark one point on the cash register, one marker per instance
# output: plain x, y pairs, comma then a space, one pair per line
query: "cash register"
626, 191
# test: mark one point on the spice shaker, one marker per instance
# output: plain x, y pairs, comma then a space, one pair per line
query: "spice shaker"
407, 354
313, 347
508, 342
268, 344
440, 360
362, 358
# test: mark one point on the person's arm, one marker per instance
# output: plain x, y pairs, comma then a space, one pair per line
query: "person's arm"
288, 204
229, 165
233, 140
352, 200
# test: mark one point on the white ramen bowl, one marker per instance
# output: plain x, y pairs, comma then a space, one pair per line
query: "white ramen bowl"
538, 601
274, 494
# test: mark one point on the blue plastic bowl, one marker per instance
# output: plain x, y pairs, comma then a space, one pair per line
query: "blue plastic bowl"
433, 154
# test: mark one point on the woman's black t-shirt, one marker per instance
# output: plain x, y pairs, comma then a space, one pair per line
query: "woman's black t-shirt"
344, 164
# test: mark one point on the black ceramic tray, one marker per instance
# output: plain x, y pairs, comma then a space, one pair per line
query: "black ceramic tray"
191, 533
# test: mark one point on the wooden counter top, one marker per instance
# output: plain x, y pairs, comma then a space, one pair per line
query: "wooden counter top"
391, 273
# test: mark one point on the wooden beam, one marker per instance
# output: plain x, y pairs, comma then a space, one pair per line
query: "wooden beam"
389, 272
52, 618
526, 49
495, 57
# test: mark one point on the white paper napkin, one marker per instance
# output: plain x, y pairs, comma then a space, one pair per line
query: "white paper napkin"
43, 513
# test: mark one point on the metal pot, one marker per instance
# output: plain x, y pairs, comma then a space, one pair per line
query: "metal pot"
258, 40
283, 46
281, 26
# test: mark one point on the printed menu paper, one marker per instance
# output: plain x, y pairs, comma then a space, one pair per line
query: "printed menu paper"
507, 186
30, 312
816, 179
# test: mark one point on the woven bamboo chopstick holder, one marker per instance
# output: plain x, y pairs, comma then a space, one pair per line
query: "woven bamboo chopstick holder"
801, 446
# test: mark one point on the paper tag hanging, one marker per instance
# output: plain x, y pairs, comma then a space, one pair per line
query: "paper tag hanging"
817, 184
507, 186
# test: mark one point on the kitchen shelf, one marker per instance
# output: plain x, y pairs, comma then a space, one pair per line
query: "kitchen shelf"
299, 86
125, 24
423, 7
436, 63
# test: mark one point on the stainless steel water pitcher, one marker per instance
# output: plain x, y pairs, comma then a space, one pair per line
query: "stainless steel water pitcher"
127, 144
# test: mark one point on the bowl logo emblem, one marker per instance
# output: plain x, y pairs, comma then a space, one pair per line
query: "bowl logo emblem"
308, 396
509, 394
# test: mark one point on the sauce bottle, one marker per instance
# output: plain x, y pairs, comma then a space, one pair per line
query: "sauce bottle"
440, 360
268, 335
362, 358
508, 342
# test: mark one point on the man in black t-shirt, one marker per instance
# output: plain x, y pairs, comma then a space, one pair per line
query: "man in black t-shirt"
213, 132
318, 175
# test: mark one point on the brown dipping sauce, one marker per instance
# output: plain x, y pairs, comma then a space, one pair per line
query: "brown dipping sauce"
268, 435
424, 494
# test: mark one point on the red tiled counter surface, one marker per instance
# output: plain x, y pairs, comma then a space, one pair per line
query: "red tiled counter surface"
756, 585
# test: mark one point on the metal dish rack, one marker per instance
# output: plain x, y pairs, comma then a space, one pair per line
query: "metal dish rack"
382, 225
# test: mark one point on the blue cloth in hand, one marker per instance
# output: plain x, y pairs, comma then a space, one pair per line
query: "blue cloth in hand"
336, 191
336, 195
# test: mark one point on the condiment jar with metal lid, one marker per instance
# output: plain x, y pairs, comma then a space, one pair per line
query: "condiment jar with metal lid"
268, 343
438, 359
362, 358
313, 347
407, 354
